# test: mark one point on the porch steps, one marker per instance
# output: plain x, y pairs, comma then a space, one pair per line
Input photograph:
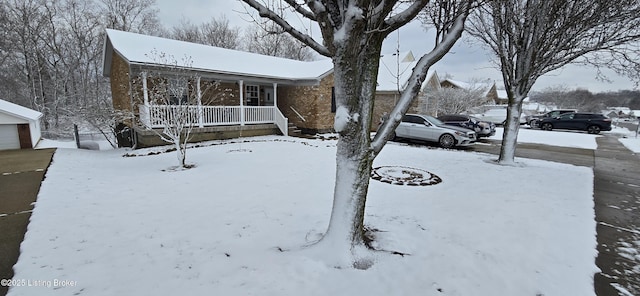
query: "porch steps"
294, 131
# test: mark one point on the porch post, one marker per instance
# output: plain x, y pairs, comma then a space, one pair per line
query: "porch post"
199, 94
145, 90
145, 112
275, 98
241, 85
275, 94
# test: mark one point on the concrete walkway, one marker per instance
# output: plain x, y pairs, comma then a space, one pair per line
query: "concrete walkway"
21, 172
617, 200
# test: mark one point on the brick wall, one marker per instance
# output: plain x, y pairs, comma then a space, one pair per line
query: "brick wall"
385, 102
313, 103
220, 94
119, 79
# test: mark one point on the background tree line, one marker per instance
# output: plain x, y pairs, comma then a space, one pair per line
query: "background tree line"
51, 53
586, 101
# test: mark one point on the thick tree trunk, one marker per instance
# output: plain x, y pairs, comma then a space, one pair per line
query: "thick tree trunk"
353, 170
510, 134
355, 78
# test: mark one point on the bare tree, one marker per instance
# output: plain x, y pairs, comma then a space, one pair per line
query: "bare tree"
449, 100
550, 95
533, 37
176, 92
217, 32
51, 55
271, 40
170, 92
186, 31
352, 33
139, 16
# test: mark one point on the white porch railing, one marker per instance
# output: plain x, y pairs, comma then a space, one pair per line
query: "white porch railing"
282, 122
156, 116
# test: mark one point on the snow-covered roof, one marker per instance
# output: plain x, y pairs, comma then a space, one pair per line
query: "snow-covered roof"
624, 110
19, 111
502, 94
140, 49
484, 87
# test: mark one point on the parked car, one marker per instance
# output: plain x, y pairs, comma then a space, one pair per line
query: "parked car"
430, 129
533, 120
593, 123
482, 128
498, 116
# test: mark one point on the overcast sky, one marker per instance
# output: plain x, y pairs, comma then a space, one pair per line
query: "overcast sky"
465, 62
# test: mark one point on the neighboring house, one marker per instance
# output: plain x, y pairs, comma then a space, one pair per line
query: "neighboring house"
502, 98
393, 76
487, 90
255, 94
19, 126
619, 112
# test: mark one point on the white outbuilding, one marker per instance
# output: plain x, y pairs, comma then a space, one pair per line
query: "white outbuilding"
19, 126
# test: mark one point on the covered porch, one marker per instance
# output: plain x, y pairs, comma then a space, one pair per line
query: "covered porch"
257, 106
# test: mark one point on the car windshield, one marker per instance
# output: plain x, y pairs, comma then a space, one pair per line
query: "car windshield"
433, 120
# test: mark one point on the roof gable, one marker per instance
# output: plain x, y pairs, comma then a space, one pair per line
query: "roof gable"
19, 111
139, 49
484, 87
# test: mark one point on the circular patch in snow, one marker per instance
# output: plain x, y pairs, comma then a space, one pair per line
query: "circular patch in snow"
398, 175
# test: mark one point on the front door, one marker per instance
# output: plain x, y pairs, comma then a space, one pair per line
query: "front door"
268, 96
24, 135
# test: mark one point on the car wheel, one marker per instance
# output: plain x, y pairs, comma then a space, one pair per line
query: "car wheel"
547, 126
447, 141
593, 129
533, 124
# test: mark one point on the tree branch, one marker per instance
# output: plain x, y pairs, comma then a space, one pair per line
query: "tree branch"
404, 17
265, 12
415, 83
305, 13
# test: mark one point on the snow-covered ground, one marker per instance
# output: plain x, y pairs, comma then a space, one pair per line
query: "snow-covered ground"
235, 224
553, 138
632, 143
630, 139
575, 139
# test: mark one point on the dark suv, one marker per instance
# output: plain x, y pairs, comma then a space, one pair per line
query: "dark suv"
593, 123
482, 128
533, 120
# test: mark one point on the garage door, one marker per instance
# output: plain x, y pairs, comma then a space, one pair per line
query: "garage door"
9, 137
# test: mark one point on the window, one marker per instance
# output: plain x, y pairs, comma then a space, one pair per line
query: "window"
567, 116
177, 89
253, 94
413, 119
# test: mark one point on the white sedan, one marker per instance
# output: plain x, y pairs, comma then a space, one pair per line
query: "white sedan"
427, 128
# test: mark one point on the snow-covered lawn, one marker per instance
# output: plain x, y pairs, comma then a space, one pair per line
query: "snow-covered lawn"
574, 139
632, 143
235, 224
